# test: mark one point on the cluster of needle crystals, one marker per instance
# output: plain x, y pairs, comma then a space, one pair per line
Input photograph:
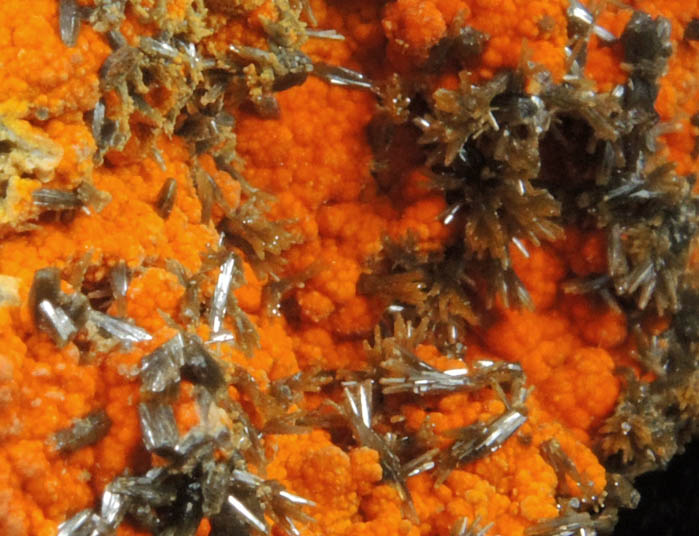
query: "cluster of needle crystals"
480, 439
646, 256
67, 316
398, 371
653, 421
213, 470
498, 150
206, 471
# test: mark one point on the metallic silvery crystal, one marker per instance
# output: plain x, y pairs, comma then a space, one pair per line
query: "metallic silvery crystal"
325, 34
462, 527
160, 370
246, 514
295, 499
246, 478
147, 489
582, 22
359, 397
412, 375
219, 300
284, 507
119, 329
200, 366
220, 337
565, 467
422, 382
480, 439
158, 157
54, 312
83, 432
63, 327
98, 117
69, 21
158, 426
500, 430
54, 199
520, 246
355, 409
341, 76
421, 464
119, 282
288, 524
193, 450
105, 131
279, 504
157, 47
604, 34
113, 508
84, 523
45, 286
166, 198
195, 60
448, 215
